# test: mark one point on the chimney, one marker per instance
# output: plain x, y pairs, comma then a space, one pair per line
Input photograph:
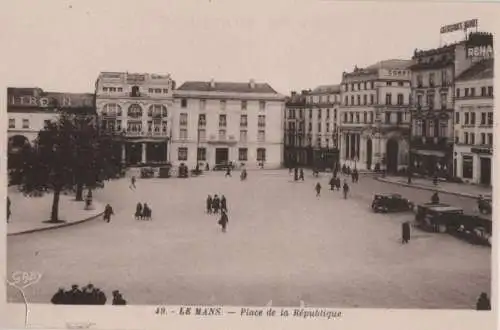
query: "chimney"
212, 83
252, 83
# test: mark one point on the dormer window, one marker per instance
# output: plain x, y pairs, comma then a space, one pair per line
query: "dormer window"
135, 91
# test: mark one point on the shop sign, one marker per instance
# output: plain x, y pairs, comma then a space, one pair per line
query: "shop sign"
59, 101
459, 26
486, 151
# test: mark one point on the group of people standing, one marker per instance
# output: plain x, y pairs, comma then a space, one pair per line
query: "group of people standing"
143, 212
214, 205
87, 295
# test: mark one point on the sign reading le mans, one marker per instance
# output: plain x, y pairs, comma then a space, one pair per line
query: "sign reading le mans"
460, 26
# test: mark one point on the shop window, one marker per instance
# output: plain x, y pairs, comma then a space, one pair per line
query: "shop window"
467, 167
182, 154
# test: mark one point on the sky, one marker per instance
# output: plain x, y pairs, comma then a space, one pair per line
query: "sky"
62, 45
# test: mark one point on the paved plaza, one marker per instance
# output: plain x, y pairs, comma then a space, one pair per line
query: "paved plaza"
283, 244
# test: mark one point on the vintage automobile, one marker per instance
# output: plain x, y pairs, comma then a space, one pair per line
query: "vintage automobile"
147, 172
223, 166
436, 217
472, 228
484, 205
391, 203
183, 171
164, 171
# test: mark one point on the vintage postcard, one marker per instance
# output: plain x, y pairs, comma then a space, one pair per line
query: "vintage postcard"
248, 164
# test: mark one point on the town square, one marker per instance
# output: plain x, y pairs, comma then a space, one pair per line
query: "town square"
254, 169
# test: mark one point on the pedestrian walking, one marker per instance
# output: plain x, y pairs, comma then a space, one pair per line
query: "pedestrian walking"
132, 182
355, 175
296, 174
228, 171
209, 204
483, 302
243, 175
435, 198
146, 212
301, 174
108, 212
346, 189
318, 189
405, 232
223, 221
223, 204
8, 209
337, 184
138, 211
216, 204
332, 183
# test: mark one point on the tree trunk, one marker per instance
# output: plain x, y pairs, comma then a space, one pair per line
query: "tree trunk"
54, 216
79, 192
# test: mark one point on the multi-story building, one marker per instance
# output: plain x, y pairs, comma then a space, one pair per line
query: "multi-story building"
321, 126
29, 109
374, 116
433, 86
138, 107
473, 147
295, 149
220, 122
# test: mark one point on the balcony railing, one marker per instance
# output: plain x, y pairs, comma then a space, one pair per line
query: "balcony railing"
431, 143
145, 134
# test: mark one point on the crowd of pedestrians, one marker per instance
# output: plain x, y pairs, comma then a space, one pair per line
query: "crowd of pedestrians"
143, 212
216, 205
87, 295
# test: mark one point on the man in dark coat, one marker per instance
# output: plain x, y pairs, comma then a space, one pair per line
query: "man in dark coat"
138, 211
118, 298
59, 298
337, 183
146, 212
346, 189
223, 204
296, 174
301, 176
483, 303
101, 297
332, 183
216, 204
228, 171
318, 189
435, 198
74, 295
209, 204
108, 212
405, 232
223, 221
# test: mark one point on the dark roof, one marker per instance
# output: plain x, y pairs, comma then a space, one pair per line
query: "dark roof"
434, 65
231, 87
391, 64
326, 89
480, 70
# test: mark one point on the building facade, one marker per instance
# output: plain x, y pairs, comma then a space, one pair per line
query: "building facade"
29, 109
138, 108
374, 116
473, 124
220, 122
295, 149
321, 126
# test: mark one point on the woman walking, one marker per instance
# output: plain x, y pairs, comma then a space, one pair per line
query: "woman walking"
223, 221
138, 211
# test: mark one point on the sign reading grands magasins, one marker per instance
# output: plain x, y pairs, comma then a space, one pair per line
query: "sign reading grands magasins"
37, 98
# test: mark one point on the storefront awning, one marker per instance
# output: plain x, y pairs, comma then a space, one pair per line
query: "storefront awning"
436, 153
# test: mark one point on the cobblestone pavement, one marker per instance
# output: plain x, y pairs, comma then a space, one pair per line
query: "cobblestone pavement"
283, 244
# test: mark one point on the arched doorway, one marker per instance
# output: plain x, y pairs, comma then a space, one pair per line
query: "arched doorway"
392, 155
369, 150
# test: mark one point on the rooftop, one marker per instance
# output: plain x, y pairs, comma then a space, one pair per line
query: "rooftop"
326, 89
480, 70
227, 87
391, 64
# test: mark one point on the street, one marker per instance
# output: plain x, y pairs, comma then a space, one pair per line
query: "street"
283, 244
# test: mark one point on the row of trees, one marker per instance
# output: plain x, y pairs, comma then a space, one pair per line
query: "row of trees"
69, 154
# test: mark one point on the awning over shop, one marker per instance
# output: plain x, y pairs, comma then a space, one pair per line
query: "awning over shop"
436, 153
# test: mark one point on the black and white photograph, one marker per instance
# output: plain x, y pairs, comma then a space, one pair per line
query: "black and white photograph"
292, 154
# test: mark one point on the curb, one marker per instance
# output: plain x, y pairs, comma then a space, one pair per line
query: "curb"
30, 231
427, 188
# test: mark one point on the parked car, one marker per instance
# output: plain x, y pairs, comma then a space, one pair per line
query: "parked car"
484, 205
472, 228
391, 203
436, 217
223, 166
164, 171
147, 172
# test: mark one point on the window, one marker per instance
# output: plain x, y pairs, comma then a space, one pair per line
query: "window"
483, 138
473, 118
262, 105
202, 134
365, 99
467, 167
243, 121
157, 110
431, 131
105, 89
430, 101
466, 121
359, 99
261, 121
222, 134
372, 85
203, 104
158, 90
327, 113
457, 118
400, 83
26, 123
472, 92
222, 121
466, 92
372, 99
419, 100
243, 105
400, 99
12, 123
457, 140
202, 154
399, 118
490, 139
335, 114
182, 154
352, 99
184, 103
365, 85
134, 127
327, 127
472, 138
243, 136
388, 83
319, 127
371, 117
310, 113
457, 92
388, 98
111, 109
165, 91
223, 104
202, 120
261, 154
443, 128
388, 117
365, 117
310, 126
346, 100
444, 100
490, 90
183, 119
242, 154
490, 118
319, 114
466, 137
431, 79
301, 113
134, 111
261, 136
444, 77
419, 127
357, 117
483, 91
183, 134
351, 117
483, 118
345, 117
